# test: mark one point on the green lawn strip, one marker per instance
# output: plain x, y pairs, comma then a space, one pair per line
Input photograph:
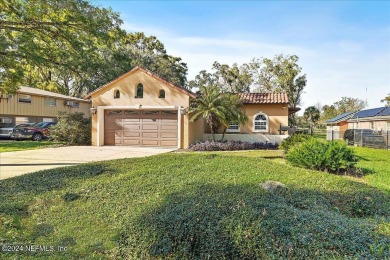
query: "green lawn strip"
194, 205
13, 146
377, 163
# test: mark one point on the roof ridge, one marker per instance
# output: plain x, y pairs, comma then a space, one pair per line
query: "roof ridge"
152, 74
43, 92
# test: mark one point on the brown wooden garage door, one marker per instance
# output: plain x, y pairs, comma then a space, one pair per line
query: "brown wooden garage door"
140, 127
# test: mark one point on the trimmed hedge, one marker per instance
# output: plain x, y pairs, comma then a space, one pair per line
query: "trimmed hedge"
231, 146
313, 154
292, 140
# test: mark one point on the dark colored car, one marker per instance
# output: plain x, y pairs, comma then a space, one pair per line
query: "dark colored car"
36, 132
352, 135
6, 132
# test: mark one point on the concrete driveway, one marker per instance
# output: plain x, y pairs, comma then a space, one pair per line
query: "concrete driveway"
22, 162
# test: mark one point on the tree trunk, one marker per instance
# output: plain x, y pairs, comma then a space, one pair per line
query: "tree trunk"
223, 134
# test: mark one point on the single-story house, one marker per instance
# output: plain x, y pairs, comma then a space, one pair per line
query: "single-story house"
31, 105
141, 108
335, 127
377, 119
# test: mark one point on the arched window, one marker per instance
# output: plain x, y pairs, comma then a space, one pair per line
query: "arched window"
140, 91
260, 123
117, 93
161, 94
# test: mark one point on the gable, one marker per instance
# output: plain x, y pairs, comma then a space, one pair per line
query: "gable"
127, 87
143, 71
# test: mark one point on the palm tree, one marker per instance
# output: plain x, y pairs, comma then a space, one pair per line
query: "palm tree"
312, 115
217, 108
236, 112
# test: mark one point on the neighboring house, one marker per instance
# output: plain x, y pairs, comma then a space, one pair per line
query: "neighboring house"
377, 119
31, 105
336, 126
141, 108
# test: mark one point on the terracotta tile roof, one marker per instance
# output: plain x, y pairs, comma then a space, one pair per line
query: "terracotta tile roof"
152, 74
264, 98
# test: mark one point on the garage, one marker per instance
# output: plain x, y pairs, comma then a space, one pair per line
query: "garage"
141, 128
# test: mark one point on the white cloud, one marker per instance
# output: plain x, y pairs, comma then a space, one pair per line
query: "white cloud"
334, 69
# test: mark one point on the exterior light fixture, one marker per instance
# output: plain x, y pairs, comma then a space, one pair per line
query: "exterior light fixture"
93, 110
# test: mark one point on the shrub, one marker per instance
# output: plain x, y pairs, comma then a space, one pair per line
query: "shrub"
73, 129
292, 140
231, 146
313, 154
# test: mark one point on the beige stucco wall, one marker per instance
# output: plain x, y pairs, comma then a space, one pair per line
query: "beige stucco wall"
196, 130
277, 114
127, 86
37, 107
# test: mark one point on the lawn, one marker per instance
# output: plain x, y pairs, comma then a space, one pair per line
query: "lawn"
12, 146
199, 205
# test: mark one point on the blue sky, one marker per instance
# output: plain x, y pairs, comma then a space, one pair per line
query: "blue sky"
344, 47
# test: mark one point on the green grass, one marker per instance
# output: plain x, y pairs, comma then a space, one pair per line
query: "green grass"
199, 205
12, 146
321, 134
377, 163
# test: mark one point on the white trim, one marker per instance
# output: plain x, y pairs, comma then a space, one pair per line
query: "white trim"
100, 119
100, 126
178, 128
266, 130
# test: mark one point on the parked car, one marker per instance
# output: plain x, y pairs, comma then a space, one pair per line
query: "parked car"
355, 135
36, 132
5, 132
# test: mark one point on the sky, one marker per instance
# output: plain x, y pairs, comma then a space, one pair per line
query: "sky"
343, 46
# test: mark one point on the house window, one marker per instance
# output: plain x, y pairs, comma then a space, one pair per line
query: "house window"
6, 120
140, 91
233, 127
24, 98
72, 104
50, 102
260, 123
117, 94
161, 94
372, 125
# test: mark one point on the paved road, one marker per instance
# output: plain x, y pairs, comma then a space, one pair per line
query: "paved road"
22, 162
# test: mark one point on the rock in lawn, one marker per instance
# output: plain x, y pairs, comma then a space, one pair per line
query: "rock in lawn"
273, 185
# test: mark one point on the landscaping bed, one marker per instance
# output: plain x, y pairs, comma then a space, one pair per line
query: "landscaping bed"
231, 146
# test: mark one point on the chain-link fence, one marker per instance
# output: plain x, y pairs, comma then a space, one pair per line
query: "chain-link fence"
361, 137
